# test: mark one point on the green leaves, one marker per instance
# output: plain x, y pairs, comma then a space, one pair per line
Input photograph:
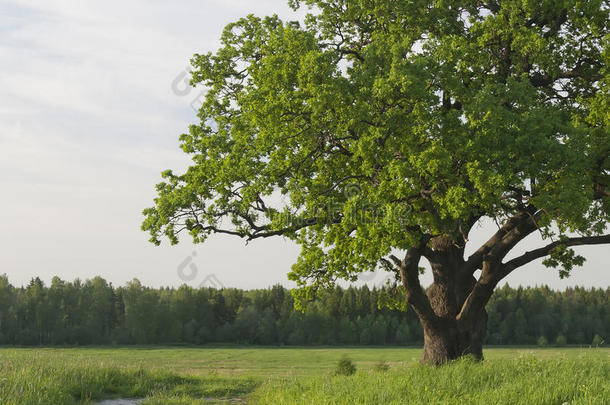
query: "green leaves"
564, 258
436, 113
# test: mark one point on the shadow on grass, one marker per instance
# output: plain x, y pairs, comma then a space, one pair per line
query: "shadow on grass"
157, 387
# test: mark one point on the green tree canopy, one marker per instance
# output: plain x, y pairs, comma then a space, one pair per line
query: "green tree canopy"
385, 126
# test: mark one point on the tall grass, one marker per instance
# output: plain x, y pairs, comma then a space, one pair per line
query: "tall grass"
525, 380
52, 379
288, 376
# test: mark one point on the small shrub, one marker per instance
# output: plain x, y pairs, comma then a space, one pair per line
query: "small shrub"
561, 340
597, 341
382, 366
345, 367
542, 341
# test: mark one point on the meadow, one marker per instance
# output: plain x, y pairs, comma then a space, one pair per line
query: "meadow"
288, 375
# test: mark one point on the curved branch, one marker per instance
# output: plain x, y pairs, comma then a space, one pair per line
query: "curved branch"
408, 269
506, 237
532, 255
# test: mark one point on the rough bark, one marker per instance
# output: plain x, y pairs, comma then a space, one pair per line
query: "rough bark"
446, 336
452, 310
449, 337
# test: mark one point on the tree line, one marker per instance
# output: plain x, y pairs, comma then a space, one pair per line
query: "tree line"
96, 312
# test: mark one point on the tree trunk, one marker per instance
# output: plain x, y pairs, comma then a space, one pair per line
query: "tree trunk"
452, 310
446, 338
446, 342
441, 343
446, 335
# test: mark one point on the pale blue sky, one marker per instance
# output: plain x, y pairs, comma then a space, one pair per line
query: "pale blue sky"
88, 120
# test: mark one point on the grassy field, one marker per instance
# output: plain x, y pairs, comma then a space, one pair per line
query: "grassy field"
300, 376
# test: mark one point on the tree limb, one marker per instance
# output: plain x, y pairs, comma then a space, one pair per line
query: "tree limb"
409, 275
475, 261
532, 255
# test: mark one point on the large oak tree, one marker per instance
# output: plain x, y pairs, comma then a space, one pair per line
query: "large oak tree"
380, 132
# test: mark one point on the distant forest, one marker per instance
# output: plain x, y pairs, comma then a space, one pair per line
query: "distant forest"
95, 312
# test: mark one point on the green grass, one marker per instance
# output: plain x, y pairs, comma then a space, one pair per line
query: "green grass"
300, 376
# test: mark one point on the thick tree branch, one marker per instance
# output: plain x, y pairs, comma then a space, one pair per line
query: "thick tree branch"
526, 226
494, 272
532, 255
408, 269
505, 236
488, 258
